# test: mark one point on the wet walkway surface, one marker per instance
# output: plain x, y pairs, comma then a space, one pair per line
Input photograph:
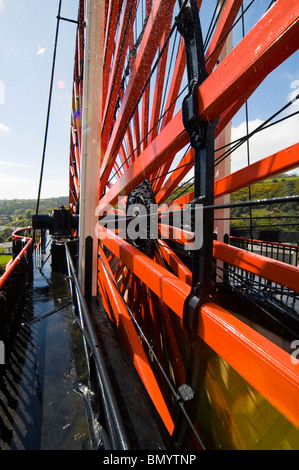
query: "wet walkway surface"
39, 409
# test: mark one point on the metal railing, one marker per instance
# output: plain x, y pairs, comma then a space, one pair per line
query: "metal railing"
268, 294
18, 272
113, 436
286, 253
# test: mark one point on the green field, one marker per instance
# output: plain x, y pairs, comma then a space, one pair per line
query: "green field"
4, 259
283, 216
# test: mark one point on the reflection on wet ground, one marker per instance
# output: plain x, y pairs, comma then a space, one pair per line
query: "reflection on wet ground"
38, 406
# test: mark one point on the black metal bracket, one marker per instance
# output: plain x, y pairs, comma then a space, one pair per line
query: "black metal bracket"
71, 21
202, 134
59, 223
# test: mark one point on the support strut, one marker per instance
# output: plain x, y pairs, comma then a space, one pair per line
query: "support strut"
202, 134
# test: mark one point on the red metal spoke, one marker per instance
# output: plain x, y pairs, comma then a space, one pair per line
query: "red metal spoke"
176, 176
167, 142
224, 24
246, 73
134, 347
174, 262
271, 41
150, 41
123, 38
139, 142
263, 364
112, 18
280, 162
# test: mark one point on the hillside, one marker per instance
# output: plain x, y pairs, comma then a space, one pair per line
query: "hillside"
18, 212
278, 216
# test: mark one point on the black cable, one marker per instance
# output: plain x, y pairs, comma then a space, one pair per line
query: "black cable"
213, 23
146, 83
259, 130
175, 394
230, 30
252, 133
48, 118
104, 62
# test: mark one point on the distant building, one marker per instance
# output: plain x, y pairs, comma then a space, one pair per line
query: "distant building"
6, 248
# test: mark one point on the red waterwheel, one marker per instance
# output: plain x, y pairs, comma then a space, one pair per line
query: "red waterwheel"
145, 154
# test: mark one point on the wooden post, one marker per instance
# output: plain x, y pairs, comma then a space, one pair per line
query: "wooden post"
222, 227
91, 143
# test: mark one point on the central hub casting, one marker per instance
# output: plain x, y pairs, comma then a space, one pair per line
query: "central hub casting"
139, 203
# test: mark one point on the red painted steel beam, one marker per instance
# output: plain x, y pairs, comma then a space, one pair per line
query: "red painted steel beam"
264, 365
111, 24
252, 70
176, 176
224, 24
5, 276
153, 32
120, 54
271, 41
276, 244
279, 162
271, 269
167, 143
134, 347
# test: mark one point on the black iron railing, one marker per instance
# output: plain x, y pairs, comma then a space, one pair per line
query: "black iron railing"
17, 275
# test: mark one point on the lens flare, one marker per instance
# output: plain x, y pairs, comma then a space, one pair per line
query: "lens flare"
41, 50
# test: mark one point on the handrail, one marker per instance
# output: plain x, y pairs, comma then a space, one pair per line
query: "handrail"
118, 437
11, 267
279, 245
276, 271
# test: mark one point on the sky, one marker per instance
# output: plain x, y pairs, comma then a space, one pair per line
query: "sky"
27, 33
281, 85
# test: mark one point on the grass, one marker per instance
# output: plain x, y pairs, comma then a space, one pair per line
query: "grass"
4, 259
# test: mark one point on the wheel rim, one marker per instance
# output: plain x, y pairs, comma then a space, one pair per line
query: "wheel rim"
143, 138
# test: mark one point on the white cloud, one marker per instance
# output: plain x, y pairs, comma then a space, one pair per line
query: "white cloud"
54, 188
17, 187
12, 164
268, 141
4, 128
13, 186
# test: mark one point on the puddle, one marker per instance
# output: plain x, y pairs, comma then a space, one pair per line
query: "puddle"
39, 409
